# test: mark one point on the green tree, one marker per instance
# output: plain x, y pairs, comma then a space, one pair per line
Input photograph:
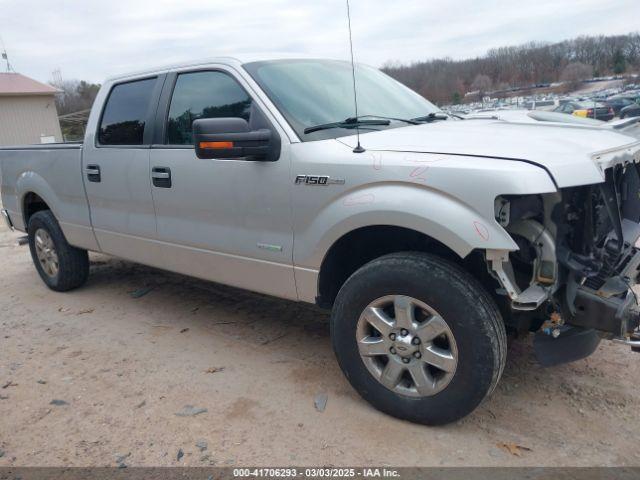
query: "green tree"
619, 62
456, 98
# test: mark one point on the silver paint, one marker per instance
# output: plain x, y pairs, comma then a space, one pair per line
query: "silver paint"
440, 179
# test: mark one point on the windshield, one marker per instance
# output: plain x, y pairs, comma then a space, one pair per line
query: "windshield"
315, 92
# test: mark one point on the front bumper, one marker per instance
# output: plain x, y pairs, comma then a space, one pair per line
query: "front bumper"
617, 316
7, 218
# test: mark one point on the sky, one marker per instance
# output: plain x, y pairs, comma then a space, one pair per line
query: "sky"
95, 39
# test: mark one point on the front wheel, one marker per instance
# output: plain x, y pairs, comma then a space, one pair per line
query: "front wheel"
418, 337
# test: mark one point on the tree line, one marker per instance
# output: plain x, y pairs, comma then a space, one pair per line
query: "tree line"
447, 81
75, 96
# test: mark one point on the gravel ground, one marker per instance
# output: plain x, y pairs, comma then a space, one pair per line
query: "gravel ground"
142, 367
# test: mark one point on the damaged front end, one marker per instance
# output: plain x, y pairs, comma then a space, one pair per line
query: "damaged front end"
572, 278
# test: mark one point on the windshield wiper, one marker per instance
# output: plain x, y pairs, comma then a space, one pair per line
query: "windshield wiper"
412, 121
431, 117
351, 122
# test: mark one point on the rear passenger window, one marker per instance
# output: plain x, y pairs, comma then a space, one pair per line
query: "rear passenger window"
126, 112
203, 95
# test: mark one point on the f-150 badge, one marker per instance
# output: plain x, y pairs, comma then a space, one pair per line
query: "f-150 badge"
320, 180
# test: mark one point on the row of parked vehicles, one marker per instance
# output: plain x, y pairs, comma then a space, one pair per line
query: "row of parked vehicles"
604, 105
625, 105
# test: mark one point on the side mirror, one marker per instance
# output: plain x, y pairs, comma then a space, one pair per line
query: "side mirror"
231, 138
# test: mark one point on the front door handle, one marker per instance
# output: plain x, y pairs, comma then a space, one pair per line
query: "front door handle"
93, 173
161, 177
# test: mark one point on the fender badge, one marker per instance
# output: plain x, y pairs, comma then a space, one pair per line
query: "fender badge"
318, 180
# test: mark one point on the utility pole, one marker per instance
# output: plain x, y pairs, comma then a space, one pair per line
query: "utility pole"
5, 57
56, 77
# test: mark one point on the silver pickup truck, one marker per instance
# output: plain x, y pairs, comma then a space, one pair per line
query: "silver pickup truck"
428, 236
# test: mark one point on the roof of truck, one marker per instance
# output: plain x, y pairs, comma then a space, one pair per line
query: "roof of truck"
12, 83
235, 60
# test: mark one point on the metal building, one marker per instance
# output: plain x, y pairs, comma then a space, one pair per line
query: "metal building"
27, 111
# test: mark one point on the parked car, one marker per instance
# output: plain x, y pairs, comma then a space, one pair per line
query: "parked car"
632, 110
427, 237
618, 103
539, 104
585, 108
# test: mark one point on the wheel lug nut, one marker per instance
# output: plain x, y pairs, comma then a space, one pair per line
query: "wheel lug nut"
404, 332
392, 336
392, 350
405, 360
417, 355
415, 341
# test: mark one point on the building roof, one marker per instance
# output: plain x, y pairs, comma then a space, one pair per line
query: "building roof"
17, 84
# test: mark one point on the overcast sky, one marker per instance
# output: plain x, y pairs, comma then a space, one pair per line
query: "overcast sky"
93, 39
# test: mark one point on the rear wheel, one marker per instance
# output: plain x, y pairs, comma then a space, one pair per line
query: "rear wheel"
418, 337
61, 266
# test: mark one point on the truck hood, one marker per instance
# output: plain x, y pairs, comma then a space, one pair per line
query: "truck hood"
572, 154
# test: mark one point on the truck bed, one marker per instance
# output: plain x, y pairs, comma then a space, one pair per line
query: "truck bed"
55, 172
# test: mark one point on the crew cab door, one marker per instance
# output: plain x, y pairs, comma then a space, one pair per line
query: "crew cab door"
115, 164
225, 220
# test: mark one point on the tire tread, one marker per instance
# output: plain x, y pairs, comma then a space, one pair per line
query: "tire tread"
73, 262
461, 281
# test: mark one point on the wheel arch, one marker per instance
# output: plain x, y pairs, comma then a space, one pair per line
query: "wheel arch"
32, 203
35, 194
360, 246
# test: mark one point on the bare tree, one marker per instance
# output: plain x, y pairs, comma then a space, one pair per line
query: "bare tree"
574, 73
481, 84
75, 95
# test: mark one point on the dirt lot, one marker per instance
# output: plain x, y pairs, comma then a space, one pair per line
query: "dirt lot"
118, 369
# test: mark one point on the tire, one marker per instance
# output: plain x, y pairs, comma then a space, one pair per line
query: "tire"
72, 263
473, 334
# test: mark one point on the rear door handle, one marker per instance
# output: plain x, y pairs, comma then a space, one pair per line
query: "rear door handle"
93, 173
161, 177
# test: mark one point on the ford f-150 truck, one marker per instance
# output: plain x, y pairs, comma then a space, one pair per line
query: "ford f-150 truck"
428, 236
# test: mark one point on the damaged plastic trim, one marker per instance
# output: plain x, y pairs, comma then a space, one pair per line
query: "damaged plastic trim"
529, 299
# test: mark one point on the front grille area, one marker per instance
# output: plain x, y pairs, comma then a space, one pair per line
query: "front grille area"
598, 226
618, 262
608, 270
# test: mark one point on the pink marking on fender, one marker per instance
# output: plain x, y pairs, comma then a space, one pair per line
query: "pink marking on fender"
481, 230
377, 161
363, 199
417, 173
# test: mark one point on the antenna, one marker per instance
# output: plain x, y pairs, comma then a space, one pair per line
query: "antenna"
358, 148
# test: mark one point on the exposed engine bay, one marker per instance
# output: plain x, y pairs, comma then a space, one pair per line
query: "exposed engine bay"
577, 260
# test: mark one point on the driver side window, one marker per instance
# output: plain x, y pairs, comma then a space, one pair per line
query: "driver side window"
203, 95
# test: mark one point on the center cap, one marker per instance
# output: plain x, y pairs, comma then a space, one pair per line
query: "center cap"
404, 346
